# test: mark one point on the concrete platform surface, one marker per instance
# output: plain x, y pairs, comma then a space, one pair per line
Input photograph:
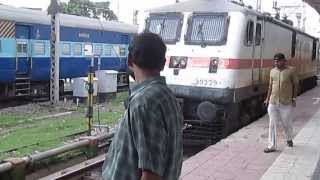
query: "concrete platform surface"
240, 156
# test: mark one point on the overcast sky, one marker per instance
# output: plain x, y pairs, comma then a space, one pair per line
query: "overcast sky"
125, 8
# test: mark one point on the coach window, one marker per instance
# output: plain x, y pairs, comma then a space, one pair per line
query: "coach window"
77, 49
107, 50
66, 49
249, 35
122, 51
0, 46
38, 48
98, 49
22, 48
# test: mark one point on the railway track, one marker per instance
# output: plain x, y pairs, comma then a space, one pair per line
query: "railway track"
18, 101
92, 168
41, 164
87, 170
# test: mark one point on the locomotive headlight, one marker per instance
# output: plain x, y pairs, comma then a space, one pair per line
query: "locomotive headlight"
175, 63
213, 67
178, 62
183, 62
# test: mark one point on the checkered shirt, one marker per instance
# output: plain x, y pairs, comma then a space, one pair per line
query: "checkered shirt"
149, 136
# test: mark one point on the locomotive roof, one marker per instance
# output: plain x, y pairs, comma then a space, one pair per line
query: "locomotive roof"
202, 6
41, 17
218, 6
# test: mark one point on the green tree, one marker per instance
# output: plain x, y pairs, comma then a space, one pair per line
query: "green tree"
88, 9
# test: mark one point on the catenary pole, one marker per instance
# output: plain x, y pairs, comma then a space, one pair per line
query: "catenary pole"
53, 10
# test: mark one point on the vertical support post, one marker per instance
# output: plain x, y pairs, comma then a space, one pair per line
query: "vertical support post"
18, 172
90, 96
99, 62
92, 149
259, 5
54, 47
135, 17
304, 17
118, 8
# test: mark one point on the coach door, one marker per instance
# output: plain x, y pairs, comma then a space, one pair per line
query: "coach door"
254, 34
22, 58
258, 55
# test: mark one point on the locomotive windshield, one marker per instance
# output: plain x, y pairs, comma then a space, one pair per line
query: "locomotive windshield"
207, 29
168, 26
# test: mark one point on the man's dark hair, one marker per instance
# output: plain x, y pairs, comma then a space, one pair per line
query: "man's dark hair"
279, 56
147, 51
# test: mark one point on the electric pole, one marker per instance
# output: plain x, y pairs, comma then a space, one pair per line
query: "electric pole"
259, 5
277, 9
53, 10
135, 17
296, 11
118, 8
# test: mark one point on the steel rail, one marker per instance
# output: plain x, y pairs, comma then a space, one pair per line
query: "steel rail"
7, 166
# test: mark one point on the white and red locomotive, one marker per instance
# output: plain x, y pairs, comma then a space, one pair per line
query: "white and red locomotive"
219, 55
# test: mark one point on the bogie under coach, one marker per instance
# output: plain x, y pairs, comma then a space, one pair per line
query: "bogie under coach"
219, 57
25, 49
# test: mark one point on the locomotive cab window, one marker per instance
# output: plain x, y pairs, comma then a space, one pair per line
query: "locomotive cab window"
249, 33
207, 29
167, 25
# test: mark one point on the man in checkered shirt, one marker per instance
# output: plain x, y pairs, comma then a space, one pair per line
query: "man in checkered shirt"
148, 143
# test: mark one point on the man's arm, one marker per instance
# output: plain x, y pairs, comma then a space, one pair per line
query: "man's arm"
295, 86
295, 83
150, 139
147, 175
269, 90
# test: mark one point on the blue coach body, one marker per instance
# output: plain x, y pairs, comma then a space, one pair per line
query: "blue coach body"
25, 45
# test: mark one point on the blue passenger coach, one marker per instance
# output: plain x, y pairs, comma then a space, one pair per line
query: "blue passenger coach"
25, 48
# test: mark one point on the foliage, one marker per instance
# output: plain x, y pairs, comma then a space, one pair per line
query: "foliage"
88, 9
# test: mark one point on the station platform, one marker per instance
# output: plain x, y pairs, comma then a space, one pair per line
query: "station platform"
240, 156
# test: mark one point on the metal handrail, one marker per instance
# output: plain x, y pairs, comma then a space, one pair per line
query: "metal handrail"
7, 166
